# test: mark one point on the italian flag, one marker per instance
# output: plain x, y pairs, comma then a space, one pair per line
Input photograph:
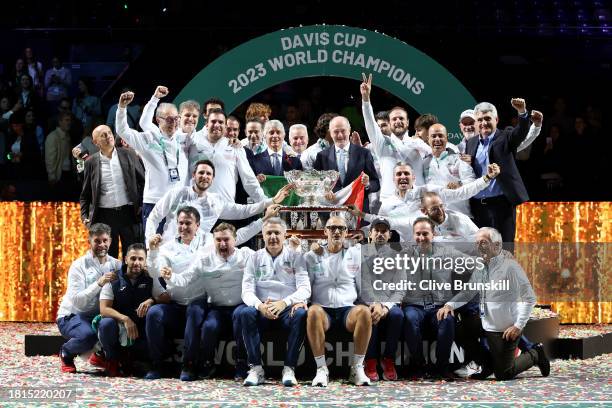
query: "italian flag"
352, 194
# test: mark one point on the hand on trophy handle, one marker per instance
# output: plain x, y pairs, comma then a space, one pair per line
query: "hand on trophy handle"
330, 197
272, 211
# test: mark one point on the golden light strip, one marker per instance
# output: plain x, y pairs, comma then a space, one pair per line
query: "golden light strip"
39, 241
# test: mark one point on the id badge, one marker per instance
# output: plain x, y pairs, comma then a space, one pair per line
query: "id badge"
174, 175
428, 302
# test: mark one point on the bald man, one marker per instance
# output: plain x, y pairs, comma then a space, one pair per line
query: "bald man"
349, 159
113, 184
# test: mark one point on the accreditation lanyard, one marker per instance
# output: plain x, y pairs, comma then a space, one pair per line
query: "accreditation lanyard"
483, 292
173, 173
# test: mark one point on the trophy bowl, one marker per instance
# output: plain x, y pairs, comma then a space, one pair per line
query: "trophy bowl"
311, 185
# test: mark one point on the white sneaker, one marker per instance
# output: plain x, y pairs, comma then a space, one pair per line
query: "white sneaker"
358, 375
468, 369
256, 376
322, 377
289, 377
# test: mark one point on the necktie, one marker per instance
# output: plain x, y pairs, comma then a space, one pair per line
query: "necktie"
342, 164
276, 164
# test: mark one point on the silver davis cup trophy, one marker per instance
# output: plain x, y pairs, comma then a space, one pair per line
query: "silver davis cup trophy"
311, 186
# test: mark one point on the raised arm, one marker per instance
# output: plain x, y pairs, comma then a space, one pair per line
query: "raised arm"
138, 141
146, 119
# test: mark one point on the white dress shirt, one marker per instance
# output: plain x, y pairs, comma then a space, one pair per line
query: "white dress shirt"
211, 207
279, 157
222, 278
151, 145
346, 156
335, 277
455, 227
83, 289
113, 193
179, 257
282, 278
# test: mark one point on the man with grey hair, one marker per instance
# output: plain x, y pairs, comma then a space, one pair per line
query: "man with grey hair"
504, 311
495, 206
274, 161
162, 150
298, 139
275, 289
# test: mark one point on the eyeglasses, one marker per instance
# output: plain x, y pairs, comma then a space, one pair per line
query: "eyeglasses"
333, 228
170, 119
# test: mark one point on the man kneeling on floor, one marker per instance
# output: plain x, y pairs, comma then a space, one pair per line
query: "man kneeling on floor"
86, 277
275, 289
336, 282
123, 305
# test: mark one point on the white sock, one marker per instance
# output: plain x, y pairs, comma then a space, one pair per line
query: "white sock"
358, 359
320, 360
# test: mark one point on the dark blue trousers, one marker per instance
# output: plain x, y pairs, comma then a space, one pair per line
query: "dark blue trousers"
168, 321
392, 326
108, 333
417, 321
146, 210
254, 323
77, 330
218, 320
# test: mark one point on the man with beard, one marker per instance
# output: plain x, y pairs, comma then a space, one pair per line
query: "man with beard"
404, 207
324, 140
389, 319
335, 277
394, 148
210, 206
444, 166
495, 206
162, 150
220, 272
113, 184
450, 225
86, 277
125, 302
275, 289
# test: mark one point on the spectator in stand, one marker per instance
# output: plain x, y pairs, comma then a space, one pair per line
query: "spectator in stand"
20, 69
57, 160
23, 151
34, 130
7, 108
560, 116
57, 81
35, 69
549, 158
26, 95
133, 113
76, 129
86, 107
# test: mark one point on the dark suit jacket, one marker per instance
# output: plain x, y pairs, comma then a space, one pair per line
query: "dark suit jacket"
360, 159
133, 175
501, 151
261, 163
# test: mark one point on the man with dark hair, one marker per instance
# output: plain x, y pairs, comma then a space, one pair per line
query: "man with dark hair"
421, 127
232, 125
382, 120
86, 277
253, 142
123, 305
113, 184
210, 205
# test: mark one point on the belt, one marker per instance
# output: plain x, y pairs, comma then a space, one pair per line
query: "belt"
124, 207
489, 200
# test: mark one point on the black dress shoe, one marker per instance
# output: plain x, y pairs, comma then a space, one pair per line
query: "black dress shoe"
543, 361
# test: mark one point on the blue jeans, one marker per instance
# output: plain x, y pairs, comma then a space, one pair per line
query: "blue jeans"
392, 326
76, 328
167, 321
417, 321
253, 324
218, 320
108, 332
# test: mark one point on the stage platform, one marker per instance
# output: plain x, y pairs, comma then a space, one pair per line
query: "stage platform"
571, 383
